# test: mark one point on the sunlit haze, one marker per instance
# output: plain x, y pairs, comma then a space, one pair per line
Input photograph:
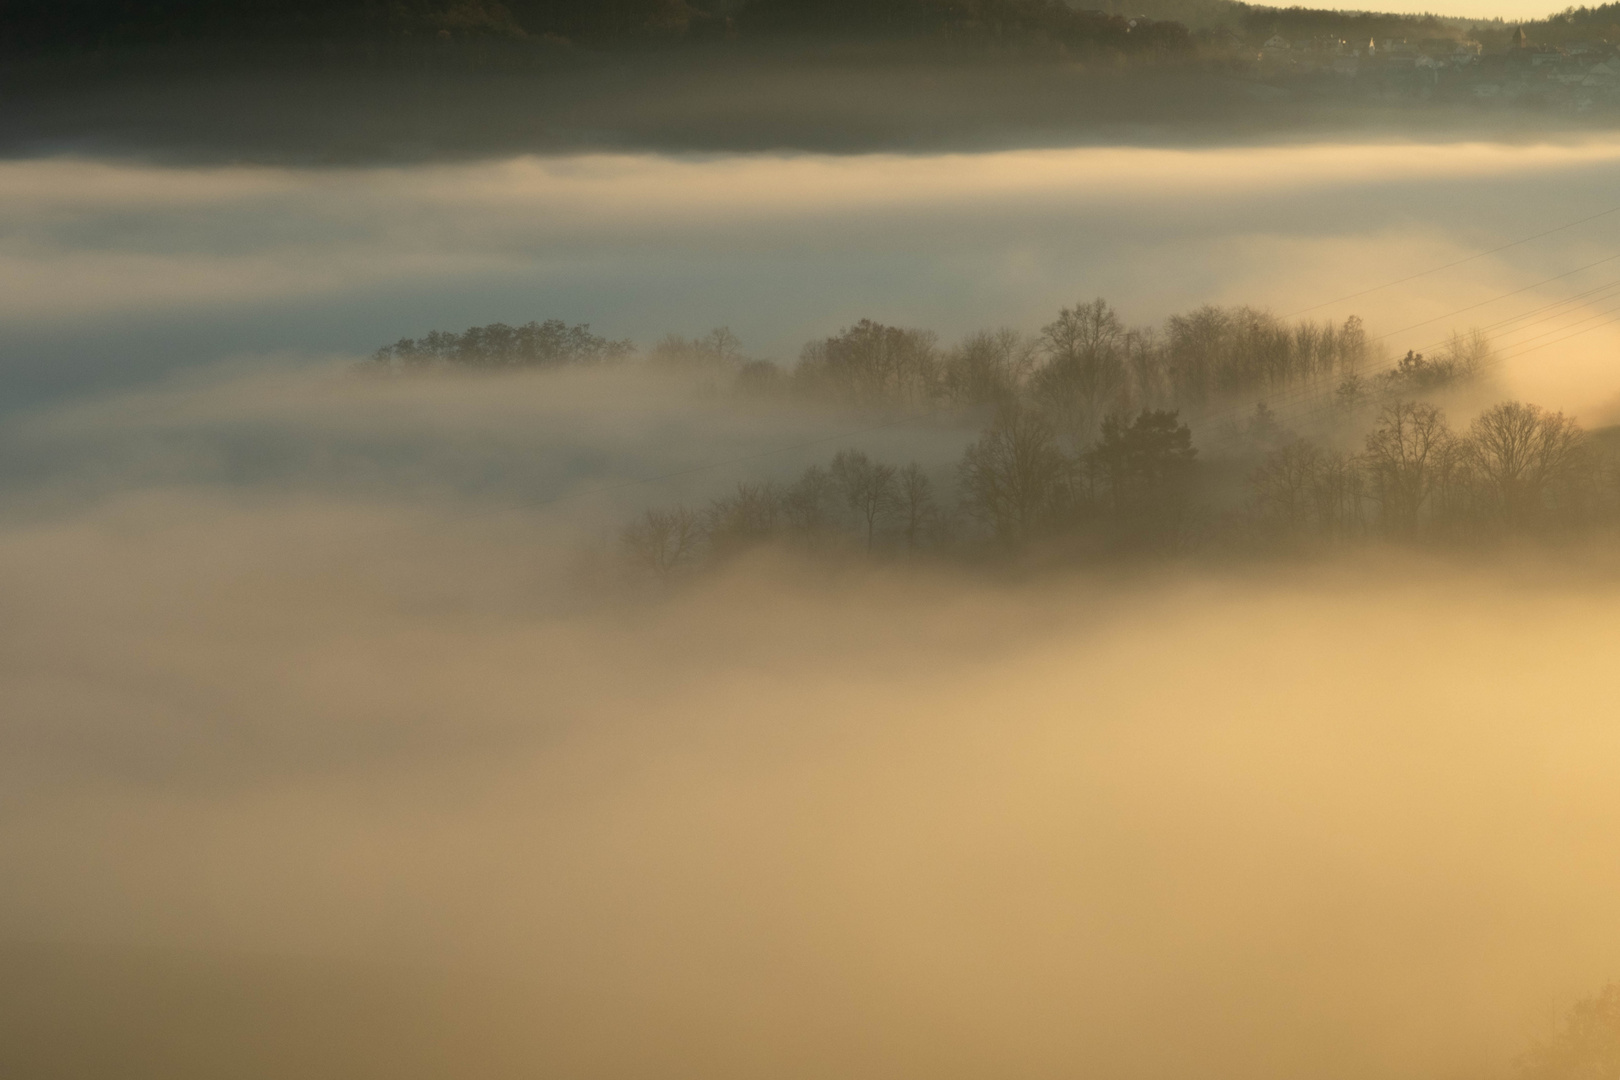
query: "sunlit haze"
751, 541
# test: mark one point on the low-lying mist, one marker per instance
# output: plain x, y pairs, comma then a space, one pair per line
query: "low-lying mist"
324, 754
337, 741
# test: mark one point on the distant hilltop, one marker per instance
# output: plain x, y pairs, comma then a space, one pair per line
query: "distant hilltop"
43, 26
46, 27
862, 74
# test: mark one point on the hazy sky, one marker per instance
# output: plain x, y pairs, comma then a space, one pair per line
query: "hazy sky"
109, 271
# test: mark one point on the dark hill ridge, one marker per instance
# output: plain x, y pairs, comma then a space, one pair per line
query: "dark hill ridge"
349, 81
48, 27
45, 26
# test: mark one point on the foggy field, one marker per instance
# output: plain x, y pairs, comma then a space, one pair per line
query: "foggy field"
357, 720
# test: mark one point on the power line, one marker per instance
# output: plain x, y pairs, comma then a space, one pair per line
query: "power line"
1599, 317
1521, 349
1503, 296
1298, 392
1450, 265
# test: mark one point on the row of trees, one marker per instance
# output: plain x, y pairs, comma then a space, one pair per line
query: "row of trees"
1517, 468
1131, 487
1087, 364
49, 25
1087, 360
552, 343
1257, 22
853, 502
1082, 366
963, 20
1140, 488
1014, 486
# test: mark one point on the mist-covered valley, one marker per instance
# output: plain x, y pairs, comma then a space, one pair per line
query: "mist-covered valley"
1136, 609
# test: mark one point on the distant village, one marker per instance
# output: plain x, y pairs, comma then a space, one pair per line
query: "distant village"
1576, 76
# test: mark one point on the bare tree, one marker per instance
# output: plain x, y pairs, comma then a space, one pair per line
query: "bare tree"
807, 505
1085, 376
1286, 481
1468, 355
919, 513
1353, 347
1353, 392
1242, 350
1519, 451
872, 364
1012, 477
1146, 365
662, 539
1083, 330
988, 367
746, 517
869, 488
1404, 456
1197, 346
719, 349
1339, 494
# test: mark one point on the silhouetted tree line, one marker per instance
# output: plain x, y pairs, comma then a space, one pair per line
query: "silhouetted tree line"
36, 26
719, 351
552, 343
1083, 366
1015, 487
1575, 24
1257, 22
994, 20
853, 502
1086, 364
1139, 489
1085, 449
1515, 469
1080, 368
1464, 358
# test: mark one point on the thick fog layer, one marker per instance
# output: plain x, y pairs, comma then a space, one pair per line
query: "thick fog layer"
334, 743
333, 789
326, 753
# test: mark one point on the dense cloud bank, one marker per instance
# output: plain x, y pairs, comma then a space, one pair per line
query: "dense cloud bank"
356, 770
320, 786
330, 749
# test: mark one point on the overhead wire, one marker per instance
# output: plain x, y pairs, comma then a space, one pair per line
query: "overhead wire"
1452, 265
1504, 296
1607, 290
1295, 394
1519, 349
